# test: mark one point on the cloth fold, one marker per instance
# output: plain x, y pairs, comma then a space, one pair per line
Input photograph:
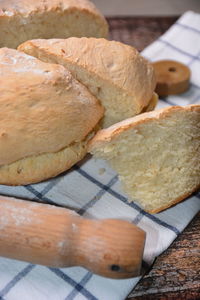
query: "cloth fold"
96, 194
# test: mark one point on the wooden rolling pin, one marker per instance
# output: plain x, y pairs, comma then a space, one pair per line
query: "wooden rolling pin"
58, 237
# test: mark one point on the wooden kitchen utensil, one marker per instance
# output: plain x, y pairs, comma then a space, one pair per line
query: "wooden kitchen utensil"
172, 77
58, 237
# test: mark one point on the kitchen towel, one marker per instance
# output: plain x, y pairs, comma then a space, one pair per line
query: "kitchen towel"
93, 189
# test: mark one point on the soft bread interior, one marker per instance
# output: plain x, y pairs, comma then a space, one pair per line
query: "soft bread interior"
108, 79
157, 156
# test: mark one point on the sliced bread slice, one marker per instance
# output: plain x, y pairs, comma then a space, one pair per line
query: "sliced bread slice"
115, 73
156, 154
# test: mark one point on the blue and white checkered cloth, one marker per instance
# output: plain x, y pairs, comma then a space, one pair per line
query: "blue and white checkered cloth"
100, 195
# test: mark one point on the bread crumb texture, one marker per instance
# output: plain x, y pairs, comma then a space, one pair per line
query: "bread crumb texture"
156, 154
22, 20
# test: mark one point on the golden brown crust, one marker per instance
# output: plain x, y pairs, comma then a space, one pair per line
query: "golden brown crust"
43, 109
41, 167
106, 135
26, 19
26, 7
174, 202
151, 105
115, 63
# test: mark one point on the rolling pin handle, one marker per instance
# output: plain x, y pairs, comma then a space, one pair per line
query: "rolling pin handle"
58, 237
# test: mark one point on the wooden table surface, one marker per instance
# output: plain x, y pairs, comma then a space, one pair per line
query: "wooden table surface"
176, 273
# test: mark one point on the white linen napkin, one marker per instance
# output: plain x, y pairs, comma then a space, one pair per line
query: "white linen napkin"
100, 195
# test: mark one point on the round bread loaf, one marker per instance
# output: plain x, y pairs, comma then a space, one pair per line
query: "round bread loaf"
21, 20
45, 118
115, 73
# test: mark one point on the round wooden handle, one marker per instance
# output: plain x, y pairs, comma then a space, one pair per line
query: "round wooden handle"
172, 77
58, 237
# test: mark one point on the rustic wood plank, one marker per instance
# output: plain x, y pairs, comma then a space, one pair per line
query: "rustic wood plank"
138, 31
176, 273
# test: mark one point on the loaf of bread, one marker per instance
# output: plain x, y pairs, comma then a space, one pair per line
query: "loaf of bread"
22, 20
115, 73
156, 154
46, 118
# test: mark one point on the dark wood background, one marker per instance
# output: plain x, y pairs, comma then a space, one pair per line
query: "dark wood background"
138, 32
176, 273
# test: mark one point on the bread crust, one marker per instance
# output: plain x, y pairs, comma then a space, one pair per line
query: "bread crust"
41, 167
117, 64
43, 109
151, 105
174, 202
27, 7
106, 135
22, 13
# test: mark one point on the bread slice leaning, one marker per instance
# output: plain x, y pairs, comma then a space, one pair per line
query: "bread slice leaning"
46, 118
22, 20
115, 73
156, 154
